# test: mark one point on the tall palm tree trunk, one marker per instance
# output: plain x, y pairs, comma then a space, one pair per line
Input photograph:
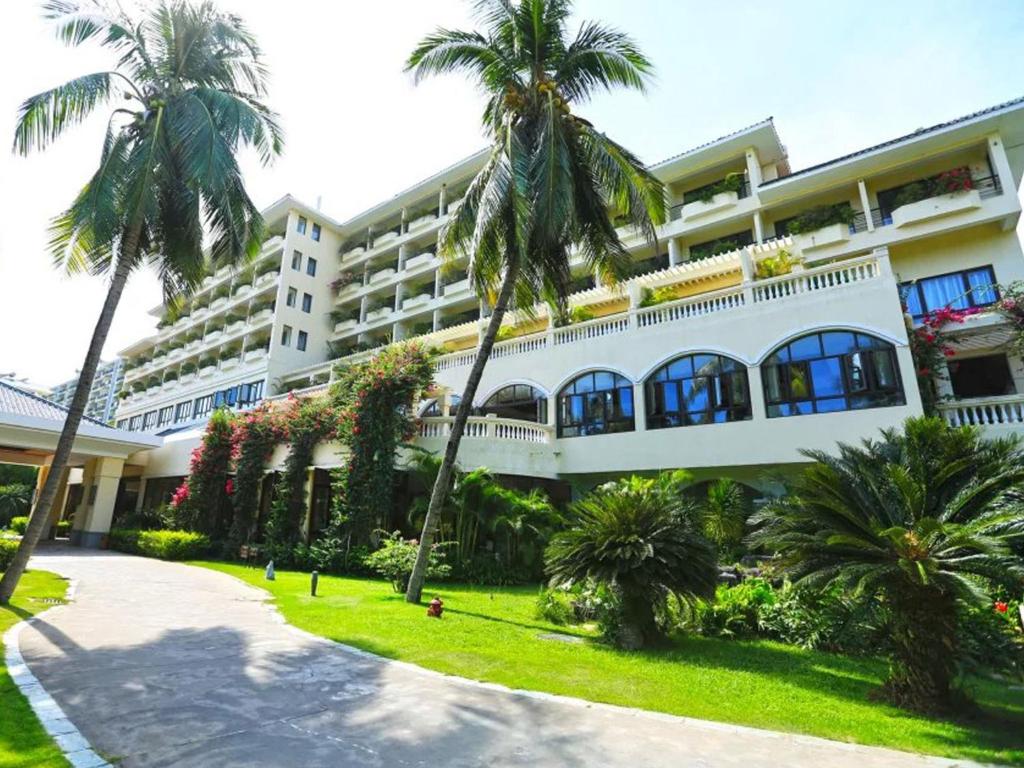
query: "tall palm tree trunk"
41, 511
444, 475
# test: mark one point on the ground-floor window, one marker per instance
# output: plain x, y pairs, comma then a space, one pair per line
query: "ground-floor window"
831, 371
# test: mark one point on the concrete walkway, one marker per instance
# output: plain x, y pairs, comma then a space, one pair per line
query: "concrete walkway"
162, 664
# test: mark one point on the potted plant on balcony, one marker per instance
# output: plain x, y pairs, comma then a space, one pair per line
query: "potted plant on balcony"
138, 386
775, 266
230, 356
822, 225
712, 197
257, 347
170, 376
233, 321
220, 293
261, 310
270, 268
188, 371
573, 316
938, 195
152, 383
651, 297
207, 365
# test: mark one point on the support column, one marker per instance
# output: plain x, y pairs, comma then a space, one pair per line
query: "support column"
442, 201
758, 228
1000, 164
82, 510
758, 412
675, 255
753, 171
639, 407
58, 504
865, 203
98, 504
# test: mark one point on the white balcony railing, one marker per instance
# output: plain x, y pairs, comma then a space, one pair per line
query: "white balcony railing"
984, 411
488, 427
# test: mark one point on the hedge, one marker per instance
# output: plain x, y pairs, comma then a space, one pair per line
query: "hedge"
166, 545
18, 525
7, 550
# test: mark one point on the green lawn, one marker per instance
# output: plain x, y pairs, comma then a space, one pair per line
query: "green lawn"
492, 635
23, 742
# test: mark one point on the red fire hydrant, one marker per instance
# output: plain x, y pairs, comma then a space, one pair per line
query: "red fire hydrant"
436, 608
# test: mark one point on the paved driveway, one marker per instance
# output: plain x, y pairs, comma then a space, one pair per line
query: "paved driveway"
163, 664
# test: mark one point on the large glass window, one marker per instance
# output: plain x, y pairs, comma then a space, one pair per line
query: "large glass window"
596, 403
957, 290
697, 389
517, 401
831, 371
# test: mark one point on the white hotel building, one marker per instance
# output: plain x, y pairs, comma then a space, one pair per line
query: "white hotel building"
732, 373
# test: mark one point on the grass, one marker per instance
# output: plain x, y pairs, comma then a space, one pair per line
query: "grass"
492, 634
23, 742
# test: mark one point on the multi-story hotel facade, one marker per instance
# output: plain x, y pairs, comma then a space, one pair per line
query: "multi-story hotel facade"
750, 332
103, 397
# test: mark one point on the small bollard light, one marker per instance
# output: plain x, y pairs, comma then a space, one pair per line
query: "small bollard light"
313, 579
270, 571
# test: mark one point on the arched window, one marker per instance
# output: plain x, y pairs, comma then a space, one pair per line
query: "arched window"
831, 371
517, 401
434, 407
697, 389
596, 403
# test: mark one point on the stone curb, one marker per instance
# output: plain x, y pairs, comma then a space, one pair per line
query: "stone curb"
69, 739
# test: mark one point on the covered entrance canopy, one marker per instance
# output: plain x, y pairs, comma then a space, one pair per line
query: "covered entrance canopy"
29, 429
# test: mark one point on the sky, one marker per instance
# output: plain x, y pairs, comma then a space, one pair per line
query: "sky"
835, 76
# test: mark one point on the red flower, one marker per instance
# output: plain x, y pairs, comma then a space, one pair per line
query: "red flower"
229, 486
1001, 607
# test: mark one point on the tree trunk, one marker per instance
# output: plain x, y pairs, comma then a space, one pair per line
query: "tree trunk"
444, 475
923, 666
41, 512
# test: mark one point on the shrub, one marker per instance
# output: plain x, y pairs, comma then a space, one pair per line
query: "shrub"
735, 611
63, 528
396, 557
7, 550
775, 266
15, 499
990, 638
166, 545
654, 296
555, 605
821, 216
19, 524
640, 538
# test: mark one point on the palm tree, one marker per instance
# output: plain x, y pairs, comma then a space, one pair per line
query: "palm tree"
551, 180
191, 79
640, 537
922, 520
725, 510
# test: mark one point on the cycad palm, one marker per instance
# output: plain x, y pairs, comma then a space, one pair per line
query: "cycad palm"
641, 537
920, 519
191, 79
551, 182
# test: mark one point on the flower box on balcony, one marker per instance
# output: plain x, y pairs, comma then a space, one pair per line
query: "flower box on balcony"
419, 260
384, 239
353, 252
235, 327
220, 301
222, 272
453, 289
255, 354
699, 208
208, 370
346, 325
416, 301
243, 289
213, 335
382, 274
266, 278
822, 238
936, 207
229, 363
378, 314
260, 317
185, 378
422, 221
199, 313
175, 353
453, 204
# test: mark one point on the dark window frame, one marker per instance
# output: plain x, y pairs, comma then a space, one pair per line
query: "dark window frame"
495, 404
311, 266
613, 419
968, 292
719, 387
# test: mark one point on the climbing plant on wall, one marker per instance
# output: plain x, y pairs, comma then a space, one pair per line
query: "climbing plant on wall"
308, 421
201, 501
255, 435
375, 404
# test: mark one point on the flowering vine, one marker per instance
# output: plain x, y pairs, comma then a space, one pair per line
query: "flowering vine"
200, 502
930, 346
253, 439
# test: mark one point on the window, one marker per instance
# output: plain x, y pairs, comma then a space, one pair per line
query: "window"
292, 296
301, 226
986, 376
697, 389
286, 336
956, 290
249, 394
134, 423
434, 407
517, 401
183, 412
300, 342
226, 397
831, 371
316, 232
122, 423
297, 261
165, 416
596, 403
203, 406
149, 420
307, 302
311, 266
